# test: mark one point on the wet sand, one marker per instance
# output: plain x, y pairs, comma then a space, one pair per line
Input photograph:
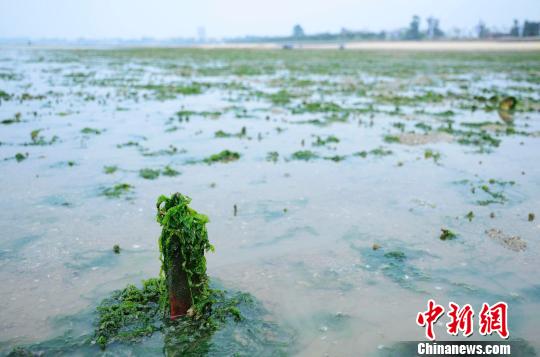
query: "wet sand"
338, 151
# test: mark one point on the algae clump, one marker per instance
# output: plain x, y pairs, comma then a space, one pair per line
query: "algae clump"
21, 157
391, 139
304, 155
110, 169
447, 234
169, 171
183, 242
272, 156
133, 313
117, 190
224, 156
149, 174
89, 131
128, 314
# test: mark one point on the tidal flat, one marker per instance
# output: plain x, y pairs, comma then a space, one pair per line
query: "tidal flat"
344, 188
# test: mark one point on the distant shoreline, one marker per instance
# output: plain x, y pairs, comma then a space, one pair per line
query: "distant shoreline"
435, 46
471, 45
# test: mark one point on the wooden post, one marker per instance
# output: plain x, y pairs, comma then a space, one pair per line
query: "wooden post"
177, 283
183, 243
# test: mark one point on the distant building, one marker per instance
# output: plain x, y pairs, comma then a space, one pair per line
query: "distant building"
514, 32
531, 29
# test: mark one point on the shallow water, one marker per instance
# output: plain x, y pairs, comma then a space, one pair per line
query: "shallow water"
301, 241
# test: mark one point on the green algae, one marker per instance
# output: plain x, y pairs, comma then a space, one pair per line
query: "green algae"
16, 119
317, 107
169, 171
330, 139
496, 197
335, 158
91, 131
395, 255
491, 191
473, 159
131, 322
391, 139
132, 313
128, 144
40, 140
431, 154
428, 97
481, 124
185, 229
423, 126
272, 156
219, 322
34, 135
479, 139
10, 121
380, 151
171, 150
447, 234
476, 136
223, 157
222, 134
281, 97
171, 91
149, 174
110, 169
445, 114
399, 125
128, 314
508, 104
182, 115
396, 265
20, 156
118, 190
304, 155
327, 120
4, 95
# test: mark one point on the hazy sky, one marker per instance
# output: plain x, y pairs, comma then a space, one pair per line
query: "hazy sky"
223, 18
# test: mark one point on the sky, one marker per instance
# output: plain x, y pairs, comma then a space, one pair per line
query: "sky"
133, 19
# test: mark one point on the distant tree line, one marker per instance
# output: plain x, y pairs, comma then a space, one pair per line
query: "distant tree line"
433, 31
415, 32
529, 29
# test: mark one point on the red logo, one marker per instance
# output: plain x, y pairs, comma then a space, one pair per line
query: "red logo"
494, 319
429, 317
461, 319
491, 319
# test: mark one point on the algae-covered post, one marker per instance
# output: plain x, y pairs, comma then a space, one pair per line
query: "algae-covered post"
182, 243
